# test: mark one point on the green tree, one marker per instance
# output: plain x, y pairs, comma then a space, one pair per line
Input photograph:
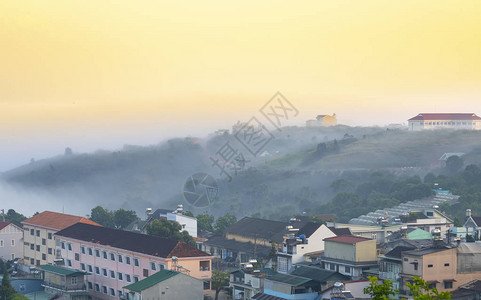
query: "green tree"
378, 290
102, 216
454, 164
219, 281
6, 290
421, 290
189, 214
122, 218
170, 230
204, 222
224, 222
14, 217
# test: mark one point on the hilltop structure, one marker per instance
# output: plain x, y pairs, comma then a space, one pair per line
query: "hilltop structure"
322, 121
424, 121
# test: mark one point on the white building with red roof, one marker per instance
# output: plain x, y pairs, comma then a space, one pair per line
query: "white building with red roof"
423, 121
11, 241
39, 244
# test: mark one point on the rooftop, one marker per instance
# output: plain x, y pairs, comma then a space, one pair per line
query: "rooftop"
318, 274
445, 116
60, 270
259, 228
57, 221
397, 252
4, 224
131, 241
222, 242
340, 231
151, 280
426, 251
347, 239
309, 228
289, 279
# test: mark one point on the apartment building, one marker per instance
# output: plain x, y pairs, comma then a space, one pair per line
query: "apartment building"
38, 244
115, 258
11, 241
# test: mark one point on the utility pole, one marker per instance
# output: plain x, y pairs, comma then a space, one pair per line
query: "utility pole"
3, 214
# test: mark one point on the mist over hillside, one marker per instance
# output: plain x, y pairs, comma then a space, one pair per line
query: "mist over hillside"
293, 173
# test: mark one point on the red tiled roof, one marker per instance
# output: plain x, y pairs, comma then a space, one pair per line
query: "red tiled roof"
54, 220
347, 239
445, 116
4, 224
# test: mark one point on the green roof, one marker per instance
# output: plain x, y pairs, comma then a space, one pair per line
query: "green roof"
151, 280
289, 279
60, 270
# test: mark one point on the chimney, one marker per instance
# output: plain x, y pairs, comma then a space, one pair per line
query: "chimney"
468, 213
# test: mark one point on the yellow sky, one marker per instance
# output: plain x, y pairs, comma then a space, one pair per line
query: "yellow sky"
64, 63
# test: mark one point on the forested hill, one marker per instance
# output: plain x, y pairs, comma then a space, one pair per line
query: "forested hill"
293, 174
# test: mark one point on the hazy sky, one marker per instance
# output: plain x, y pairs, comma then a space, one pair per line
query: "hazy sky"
98, 74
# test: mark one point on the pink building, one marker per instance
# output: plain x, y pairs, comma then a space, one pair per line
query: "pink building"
115, 258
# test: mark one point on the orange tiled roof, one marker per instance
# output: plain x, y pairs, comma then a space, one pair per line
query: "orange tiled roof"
56, 220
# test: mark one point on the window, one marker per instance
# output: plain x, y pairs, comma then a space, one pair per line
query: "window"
112, 256
97, 287
69, 262
13, 256
32, 232
97, 252
90, 251
104, 254
90, 285
32, 247
49, 250
73, 280
446, 265
12, 243
127, 277
405, 259
146, 273
120, 276
97, 270
152, 266
49, 235
38, 248
44, 242
207, 285
32, 261
161, 267
104, 272
44, 256
204, 265
448, 284
136, 262
62, 245
104, 289
415, 266
90, 269
127, 260
136, 278
432, 285
38, 233
119, 292
82, 266
430, 266
282, 264
112, 274
82, 249
37, 262
119, 258
347, 269
1, 243
332, 267
112, 292
77, 256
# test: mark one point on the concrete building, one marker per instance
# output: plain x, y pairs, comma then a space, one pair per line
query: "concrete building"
114, 258
39, 245
285, 286
246, 283
350, 255
67, 283
322, 121
11, 241
308, 239
429, 121
390, 265
166, 285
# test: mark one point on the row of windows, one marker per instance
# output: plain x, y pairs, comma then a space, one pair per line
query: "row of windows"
12, 243
104, 289
108, 273
37, 232
447, 123
106, 255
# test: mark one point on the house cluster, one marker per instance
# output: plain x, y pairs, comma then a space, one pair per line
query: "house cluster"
272, 260
80, 259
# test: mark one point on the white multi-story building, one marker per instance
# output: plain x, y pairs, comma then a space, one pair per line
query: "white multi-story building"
424, 121
11, 241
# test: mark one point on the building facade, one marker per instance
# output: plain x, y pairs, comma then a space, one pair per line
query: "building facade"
11, 241
39, 245
115, 258
429, 121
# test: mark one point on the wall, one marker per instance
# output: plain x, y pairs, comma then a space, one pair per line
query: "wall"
179, 287
340, 251
25, 286
188, 223
30, 239
366, 251
8, 235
